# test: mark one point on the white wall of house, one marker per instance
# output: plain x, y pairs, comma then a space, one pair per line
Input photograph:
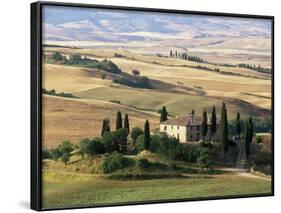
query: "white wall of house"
175, 131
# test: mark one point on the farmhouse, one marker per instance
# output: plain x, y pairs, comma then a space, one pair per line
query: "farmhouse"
185, 129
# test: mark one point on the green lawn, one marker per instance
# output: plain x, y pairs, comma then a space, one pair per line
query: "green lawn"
70, 189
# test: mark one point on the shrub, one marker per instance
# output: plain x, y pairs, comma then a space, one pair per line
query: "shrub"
46, 154
135, 133
107, 140
57, 56
55, 154
65, 158
115, 162
65, 147
91, 147
140, 143
143, 163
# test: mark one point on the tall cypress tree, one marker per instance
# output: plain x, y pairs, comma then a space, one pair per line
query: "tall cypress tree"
204, 125
105, 126
224, 130
213, 122
171, 54
126, 123
251, 130
247, 143
176, 54
164, 114
118, 120
146, 135
238, 125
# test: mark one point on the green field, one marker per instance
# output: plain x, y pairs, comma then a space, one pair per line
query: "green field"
177, 104
70, 189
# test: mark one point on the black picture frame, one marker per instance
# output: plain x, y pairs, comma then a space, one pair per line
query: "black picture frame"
36, 100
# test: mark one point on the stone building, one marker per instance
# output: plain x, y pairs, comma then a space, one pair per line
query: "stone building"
186, 128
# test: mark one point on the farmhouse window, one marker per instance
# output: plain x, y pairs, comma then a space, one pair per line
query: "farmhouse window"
165, 128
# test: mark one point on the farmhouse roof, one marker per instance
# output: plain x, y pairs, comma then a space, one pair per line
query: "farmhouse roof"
188, 120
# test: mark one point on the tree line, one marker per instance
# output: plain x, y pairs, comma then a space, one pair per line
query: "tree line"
185, 56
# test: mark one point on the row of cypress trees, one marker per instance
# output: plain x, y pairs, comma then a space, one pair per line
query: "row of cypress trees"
119, 125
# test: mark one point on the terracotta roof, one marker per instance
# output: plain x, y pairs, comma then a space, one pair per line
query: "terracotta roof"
188, 120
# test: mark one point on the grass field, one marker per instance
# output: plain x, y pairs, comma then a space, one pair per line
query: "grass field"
75, 119
65, 190
177, 104
253, 90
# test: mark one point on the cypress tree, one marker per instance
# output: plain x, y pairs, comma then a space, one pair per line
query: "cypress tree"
146, 135
224, 130
164, 114
213, 122
126, 123
171, 53
238, 125
118, 120
105, 126
204, 125
192, 112
176, 54
247, 143
251, 130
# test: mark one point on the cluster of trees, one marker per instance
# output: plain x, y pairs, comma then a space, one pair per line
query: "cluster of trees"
61, 152
61, 94
184, 56
137, 82
256, 68
78, 60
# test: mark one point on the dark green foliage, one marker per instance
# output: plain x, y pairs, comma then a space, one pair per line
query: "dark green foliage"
135, 133
248, 137
213, 127
247, 142
193, 112
62, 94
83, 146
106, 65
126, 123
224, 130
204, 125
251, 130
115, 162
75, 58
238, 124
146, 135
118, 120
65, 147
164, 114
46, 154
91, 147
170, 148
195, 58
253, 67
109, 144
137, 82
205, 158
55, 154
120, 139
57, 56
143, 163
171, 54
105, 126
65, 158
140, 143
